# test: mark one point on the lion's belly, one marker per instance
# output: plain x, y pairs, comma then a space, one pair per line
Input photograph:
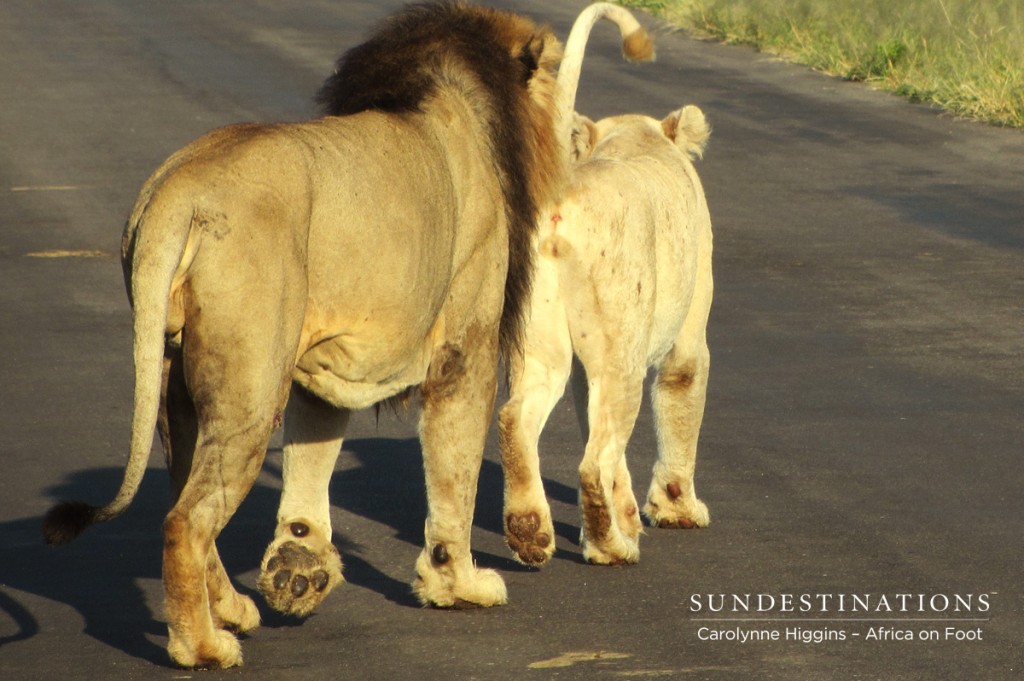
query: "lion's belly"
346, 373
370, 328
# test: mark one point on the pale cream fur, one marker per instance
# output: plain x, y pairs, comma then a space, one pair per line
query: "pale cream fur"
623, 280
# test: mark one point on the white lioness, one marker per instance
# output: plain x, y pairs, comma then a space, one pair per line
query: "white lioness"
623, 280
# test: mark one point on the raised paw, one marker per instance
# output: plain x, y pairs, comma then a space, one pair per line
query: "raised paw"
530, 538
299, 569
670, 506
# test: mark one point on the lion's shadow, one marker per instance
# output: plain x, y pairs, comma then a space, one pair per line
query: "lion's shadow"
387, 486
109, 562
379, 479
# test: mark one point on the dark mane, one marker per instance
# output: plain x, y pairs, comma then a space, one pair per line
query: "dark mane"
412, 56
400, 64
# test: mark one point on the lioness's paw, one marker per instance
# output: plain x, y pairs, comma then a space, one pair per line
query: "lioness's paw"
627, 514
669, 507
614, 549
442, 583
300, 568
220, 652
530, 535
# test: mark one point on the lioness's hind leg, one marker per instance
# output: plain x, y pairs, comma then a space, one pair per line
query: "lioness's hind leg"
458, 398
627, 511
610, 529
301, 565
678, 396
538, 381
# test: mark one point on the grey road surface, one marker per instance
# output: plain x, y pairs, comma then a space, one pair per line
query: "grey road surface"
861, 453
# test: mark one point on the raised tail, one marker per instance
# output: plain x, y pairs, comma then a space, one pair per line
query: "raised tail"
637, 45
150, 257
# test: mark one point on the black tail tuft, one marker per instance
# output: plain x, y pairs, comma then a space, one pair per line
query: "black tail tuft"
66, 521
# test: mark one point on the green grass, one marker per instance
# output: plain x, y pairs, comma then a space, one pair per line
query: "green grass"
966, 56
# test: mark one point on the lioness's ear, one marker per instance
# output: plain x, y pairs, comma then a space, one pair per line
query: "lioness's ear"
584, 137
541, 51
529, 56
688, 128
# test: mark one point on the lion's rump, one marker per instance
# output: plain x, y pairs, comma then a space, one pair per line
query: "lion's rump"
438, 147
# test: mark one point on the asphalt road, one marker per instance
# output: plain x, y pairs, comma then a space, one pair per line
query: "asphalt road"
863, 431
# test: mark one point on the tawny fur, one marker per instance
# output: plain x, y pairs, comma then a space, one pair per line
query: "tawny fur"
382, 247
623, 281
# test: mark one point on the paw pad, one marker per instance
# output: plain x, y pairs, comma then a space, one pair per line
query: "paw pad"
525, 538
295, 579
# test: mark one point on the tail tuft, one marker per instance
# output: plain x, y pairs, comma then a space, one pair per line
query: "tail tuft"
66, 521
638, 46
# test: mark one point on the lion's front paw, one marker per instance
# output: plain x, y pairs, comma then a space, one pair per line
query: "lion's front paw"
299, 570
669, 506
443, 582
531, 536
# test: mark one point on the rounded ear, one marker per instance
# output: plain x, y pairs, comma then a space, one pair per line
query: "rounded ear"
529, 56
541, 51
688, 128
584, 137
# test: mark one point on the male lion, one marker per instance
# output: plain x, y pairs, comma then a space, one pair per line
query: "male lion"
623, 280
382, 247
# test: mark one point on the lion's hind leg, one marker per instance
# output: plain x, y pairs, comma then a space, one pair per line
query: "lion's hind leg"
301, 565
237, 371
178, 426
538, 381
224, 469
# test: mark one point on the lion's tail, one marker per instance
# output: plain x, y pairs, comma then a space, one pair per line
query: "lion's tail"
154, 243
637, 45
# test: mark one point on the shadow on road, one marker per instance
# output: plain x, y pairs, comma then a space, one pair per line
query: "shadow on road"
98, 575
102, 574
